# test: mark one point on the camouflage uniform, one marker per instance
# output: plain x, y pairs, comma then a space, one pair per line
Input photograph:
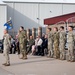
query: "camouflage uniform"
31, 43
62, 41
71, 44
7, 45
22, 43
56, 45
50, 44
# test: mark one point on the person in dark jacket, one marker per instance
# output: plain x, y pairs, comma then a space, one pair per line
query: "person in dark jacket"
46, 42
43, 44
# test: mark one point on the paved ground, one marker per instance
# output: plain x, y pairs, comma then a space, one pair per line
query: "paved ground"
36, 65
4, 72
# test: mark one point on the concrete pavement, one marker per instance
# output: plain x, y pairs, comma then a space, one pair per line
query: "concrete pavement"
37, 65
4, 72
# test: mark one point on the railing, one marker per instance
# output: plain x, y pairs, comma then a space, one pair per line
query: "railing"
63, 23
71, 21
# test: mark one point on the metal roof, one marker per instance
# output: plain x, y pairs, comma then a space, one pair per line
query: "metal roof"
54, 20
42, 1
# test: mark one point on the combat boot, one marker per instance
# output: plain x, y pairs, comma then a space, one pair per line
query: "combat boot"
22, 56
7, 64
25, 57
4, 63
48, 56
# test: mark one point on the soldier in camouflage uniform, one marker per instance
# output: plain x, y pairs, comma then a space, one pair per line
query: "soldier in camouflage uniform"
31, 42
71, 44
50, 43
7, 45
22, 42
56, 43
62, 42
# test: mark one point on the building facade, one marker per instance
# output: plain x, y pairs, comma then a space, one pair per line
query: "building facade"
31, 14
3, 17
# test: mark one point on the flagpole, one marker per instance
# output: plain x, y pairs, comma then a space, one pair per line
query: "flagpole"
13, 32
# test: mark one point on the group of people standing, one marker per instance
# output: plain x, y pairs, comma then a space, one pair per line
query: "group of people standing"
22, 38
57, 41
54, 43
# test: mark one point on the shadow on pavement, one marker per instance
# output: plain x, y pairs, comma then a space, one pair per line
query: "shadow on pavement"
27, 62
